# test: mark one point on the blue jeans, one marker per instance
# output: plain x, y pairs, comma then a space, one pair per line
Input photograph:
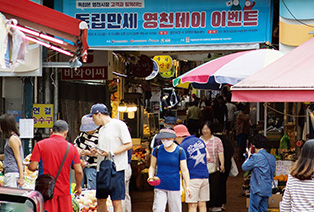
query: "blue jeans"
258, 203
89, 178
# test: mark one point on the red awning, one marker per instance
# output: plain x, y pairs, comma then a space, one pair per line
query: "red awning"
288, 79
44, 19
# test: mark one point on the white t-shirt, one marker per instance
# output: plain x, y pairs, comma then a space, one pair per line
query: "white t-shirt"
111, 137
231, 109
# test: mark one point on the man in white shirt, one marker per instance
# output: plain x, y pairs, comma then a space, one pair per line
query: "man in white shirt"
231, 109
114, 137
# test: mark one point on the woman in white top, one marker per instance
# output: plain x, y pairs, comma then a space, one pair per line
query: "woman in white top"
215, 165
299, 192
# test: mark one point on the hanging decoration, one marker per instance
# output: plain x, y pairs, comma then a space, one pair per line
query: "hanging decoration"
164, 62
168, 74
154, 72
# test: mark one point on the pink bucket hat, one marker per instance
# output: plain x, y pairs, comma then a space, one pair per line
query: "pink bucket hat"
181, 130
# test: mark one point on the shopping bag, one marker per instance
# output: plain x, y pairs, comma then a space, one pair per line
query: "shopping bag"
45, 184
107, 170
234, 169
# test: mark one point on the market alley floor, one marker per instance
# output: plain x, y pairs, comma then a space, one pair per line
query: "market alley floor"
142, 201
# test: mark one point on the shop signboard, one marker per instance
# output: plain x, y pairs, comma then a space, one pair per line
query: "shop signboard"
43, 115
96, 68
132, 23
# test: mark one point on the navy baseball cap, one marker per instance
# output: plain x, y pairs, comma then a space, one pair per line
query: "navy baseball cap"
98, 108
170, 120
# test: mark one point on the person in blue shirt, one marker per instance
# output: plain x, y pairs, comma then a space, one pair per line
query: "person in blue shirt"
262, 166
197, 155
168, 159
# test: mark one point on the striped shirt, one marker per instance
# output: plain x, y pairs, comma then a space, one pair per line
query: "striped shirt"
85, 141
215, 148
298, 196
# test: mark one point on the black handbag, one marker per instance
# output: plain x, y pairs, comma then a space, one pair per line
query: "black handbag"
45, 183
107, 170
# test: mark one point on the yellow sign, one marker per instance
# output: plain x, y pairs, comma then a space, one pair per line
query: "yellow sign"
168, 74
43, 115
164, 62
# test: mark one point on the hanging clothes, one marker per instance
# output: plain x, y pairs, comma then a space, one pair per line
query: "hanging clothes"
19, 46
4, 29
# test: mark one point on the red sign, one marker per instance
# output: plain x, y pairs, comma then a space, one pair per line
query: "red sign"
85, 73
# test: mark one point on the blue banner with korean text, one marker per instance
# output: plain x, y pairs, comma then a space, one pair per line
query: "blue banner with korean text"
119, 23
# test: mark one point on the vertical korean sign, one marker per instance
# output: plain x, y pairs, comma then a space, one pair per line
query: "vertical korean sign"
43, 115
132, 23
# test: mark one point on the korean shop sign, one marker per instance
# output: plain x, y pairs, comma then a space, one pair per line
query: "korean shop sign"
177, 22
43, 115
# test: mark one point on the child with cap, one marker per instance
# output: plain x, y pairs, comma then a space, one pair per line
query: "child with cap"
88, 138
168, 159
197, 157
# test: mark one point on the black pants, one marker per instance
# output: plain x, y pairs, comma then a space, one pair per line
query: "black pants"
214, 190
223, 186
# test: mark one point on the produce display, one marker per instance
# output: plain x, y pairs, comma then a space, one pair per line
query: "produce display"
87, 202
139, 153
29, 176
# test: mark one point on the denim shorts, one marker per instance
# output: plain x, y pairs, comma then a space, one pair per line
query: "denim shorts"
118, 191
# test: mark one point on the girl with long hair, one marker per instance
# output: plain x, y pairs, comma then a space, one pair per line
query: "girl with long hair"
13, 152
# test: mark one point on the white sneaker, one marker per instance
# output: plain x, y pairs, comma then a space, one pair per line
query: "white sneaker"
216, 209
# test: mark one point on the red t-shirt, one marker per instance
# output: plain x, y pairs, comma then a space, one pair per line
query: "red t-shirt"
51, 151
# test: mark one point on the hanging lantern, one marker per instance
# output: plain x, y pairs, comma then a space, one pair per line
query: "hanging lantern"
168, 74
164, 62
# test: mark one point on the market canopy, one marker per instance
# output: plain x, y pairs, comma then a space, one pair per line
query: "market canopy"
46, 20
229, 69
289, 79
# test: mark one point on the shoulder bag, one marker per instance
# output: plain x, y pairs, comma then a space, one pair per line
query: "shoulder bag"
107, 170
45, 183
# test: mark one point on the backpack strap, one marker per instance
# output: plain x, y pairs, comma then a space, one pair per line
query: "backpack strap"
157, 148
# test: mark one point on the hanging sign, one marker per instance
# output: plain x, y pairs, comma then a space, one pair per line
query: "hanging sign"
43, 115
168, 74
134, 23
154, 72
164, 62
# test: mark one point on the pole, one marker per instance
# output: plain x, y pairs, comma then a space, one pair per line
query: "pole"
265, 118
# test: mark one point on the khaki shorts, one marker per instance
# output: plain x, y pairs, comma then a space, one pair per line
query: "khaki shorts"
199, 190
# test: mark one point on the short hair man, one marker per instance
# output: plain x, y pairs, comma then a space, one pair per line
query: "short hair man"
262, 166
50, 152
115, 137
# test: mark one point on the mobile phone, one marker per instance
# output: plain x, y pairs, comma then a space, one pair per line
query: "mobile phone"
252, 149
95, 147
100, 150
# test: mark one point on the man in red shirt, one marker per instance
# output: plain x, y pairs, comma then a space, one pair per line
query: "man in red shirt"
49, 152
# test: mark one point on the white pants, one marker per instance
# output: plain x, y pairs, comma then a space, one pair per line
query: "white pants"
126, 203
10, 179
161, 197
